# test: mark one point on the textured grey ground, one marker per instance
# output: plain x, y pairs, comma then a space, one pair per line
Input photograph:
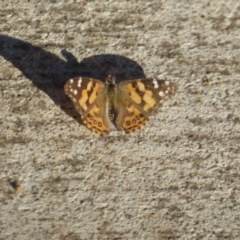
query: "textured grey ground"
177, 178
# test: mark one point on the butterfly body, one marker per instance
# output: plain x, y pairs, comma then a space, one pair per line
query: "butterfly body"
127, 104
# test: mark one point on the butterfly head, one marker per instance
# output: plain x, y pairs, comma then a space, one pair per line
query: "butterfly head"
110, 80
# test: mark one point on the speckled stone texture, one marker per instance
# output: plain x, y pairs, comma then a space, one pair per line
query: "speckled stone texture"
177, 178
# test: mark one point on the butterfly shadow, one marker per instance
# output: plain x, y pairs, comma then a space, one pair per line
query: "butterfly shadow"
48, 72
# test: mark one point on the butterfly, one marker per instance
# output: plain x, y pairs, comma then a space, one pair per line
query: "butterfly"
127, 104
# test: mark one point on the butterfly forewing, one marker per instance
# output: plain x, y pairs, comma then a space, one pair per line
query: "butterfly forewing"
90, 99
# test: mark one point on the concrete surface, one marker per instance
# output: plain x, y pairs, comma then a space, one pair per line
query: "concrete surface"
177, 178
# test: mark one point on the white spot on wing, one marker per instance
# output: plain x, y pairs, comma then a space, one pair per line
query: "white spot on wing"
75, 92
155, 83
161, 94
71, 80
79, 82
167, 83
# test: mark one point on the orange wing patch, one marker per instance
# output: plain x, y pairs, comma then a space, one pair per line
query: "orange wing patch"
96, 122
140, 95
88, 95
134, 120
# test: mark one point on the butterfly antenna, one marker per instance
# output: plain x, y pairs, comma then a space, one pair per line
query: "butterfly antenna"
120, 66
99, 66
104, 70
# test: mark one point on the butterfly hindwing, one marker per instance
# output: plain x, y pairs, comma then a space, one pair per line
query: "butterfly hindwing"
136, 99
90, 99
129, 118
